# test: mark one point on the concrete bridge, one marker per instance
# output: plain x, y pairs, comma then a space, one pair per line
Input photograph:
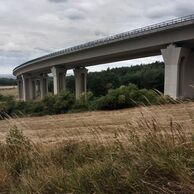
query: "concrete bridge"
173, 39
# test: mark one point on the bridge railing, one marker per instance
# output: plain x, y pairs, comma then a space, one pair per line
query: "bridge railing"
166, 23
153, 27
128, 34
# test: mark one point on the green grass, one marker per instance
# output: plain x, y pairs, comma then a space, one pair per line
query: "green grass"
147, 159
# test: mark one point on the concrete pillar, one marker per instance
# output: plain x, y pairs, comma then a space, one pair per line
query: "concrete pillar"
37, 88
59, 74
25, 82
20, 88
179, 72
28, 88
32, 88
43, 86
80, 81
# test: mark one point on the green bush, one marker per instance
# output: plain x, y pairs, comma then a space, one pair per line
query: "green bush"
5, 98
7, 105
84, 102
64, 102
125, 97
58, 104
122, 97
147, 97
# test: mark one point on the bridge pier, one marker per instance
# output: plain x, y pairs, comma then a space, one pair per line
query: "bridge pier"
179, 68
37, 87
43, 86
32, 94
27, 87
80, 81
20, 88
59, 74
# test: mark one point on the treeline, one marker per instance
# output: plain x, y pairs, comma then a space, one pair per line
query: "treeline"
7, 82
149, 76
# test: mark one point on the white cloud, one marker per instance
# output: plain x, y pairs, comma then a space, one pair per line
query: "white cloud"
31, 28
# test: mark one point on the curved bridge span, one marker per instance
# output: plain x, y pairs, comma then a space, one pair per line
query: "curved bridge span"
174, 39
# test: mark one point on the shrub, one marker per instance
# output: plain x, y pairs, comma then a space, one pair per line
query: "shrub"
124, 97
48, 104
64, 102
84, 102
7, 106
147, 97
56, 104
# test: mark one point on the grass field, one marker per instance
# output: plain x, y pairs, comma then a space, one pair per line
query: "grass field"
51, 129
8, 91
146, 150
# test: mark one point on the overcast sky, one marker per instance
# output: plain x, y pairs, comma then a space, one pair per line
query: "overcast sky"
30, 28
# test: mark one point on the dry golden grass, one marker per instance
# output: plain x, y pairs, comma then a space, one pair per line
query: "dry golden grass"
8, 91
140, 150
81, 126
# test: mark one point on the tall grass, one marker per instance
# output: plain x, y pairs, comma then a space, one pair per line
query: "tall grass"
143, 158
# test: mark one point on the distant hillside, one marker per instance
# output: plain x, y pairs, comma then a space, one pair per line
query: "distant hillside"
7, 81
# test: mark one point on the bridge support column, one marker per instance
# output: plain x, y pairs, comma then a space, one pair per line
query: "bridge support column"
80, 81
59, 74
179, 72
37, 87
24, 95
32, 88
20, 88
25, 83
28, 88
43, 86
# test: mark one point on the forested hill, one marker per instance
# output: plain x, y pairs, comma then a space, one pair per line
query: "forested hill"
150, 76
7, 81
